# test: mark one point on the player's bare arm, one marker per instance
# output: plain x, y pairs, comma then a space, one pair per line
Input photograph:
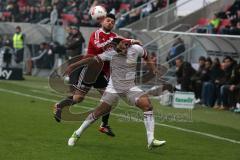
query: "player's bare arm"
75, 65
151, 65
87, 60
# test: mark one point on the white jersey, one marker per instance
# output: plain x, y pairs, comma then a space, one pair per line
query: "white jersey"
123, 68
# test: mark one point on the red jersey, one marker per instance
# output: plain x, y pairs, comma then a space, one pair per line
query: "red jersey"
98, 40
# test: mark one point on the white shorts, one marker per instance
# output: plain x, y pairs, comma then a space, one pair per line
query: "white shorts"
130, 97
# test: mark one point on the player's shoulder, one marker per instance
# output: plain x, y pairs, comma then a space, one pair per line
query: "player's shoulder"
108, 54
97, 30
111, 51
96, 33
100, 33
137, 50
114, 34
136, 47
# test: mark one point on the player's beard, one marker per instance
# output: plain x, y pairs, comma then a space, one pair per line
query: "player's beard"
106, 29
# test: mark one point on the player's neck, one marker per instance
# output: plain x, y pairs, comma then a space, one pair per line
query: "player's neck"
105, 31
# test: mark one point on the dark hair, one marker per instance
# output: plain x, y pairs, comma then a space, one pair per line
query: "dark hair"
238, 66
110, 15
180, 58
216, 61
202, 58
153, 54
237, 70
228, 57
209, 60
18, 27
44, 43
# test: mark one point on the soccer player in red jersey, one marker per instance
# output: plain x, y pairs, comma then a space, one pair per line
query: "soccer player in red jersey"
97, 43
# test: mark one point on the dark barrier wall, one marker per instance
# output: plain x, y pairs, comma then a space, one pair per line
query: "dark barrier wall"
11, 74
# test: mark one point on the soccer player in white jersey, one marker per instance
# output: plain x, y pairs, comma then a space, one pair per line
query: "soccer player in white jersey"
123, 60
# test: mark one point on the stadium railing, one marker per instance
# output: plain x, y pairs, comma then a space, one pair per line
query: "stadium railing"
211, 44
164, 16
207, 11
141, 24
207, 45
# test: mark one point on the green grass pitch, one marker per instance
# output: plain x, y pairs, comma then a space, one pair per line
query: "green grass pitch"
29, 132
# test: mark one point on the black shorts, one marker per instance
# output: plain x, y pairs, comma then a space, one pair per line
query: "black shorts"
19, 54
100, 83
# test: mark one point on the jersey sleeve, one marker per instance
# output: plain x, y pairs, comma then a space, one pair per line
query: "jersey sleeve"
107, 55
91, 48
141, 52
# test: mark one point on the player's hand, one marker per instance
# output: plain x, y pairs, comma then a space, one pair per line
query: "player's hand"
67, 71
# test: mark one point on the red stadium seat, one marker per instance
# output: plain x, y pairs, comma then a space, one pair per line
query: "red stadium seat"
6, 14
22, 3
203, 21
125, 6
69, 18
224, 23
164, 3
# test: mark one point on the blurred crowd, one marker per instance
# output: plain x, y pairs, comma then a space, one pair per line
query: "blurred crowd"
215, 83
223, 22
43, 56
75, 11
24, 10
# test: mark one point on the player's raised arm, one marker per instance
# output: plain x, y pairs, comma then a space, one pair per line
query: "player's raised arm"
107, 55
143, 53
75, 65
151, 64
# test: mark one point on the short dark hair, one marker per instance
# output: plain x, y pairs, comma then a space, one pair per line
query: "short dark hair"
44, 43
209, 60
180, 58
229, 58
202, 58
110, 15
18, 27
